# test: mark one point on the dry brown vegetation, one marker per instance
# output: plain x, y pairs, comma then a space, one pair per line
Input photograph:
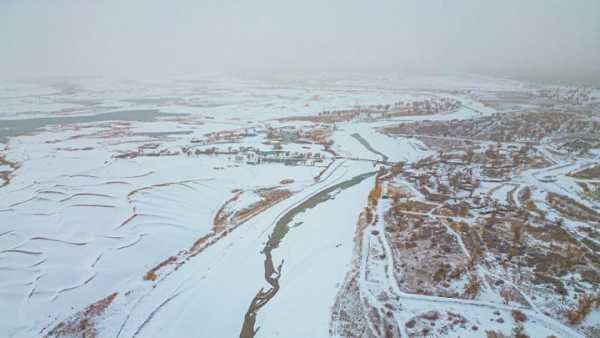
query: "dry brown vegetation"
413, 206
571, 208
584, 307
223, 223
374, 194
220, 219
151, 274
416, 238
6, 175
437, 324
228, 216
511, 237
472, 287
460, 209
82, 324
495, 334
518, 316
508, 127
269, 197
531, 260
381, 111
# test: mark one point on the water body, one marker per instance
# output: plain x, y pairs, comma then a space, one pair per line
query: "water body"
366, 144
282, 227
12, 128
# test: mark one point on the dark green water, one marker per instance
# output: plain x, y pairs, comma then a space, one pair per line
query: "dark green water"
366, 144
282, 227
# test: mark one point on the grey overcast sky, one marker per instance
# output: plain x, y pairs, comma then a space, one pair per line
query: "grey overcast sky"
146, 38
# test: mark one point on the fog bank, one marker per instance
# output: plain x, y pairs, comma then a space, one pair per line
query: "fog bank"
544, 39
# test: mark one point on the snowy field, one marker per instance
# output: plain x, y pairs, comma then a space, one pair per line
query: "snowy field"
221, 207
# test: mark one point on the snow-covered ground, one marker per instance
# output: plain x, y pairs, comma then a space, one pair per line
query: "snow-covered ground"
87, 209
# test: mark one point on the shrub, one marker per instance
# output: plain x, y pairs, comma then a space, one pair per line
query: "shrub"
150, 275
518, 316
517, 230
575, 316
472, 287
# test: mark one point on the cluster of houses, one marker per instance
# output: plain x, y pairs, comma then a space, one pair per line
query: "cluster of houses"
250, 155
279, 156
226, 136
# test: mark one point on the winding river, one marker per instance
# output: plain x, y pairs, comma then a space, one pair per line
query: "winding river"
282, 227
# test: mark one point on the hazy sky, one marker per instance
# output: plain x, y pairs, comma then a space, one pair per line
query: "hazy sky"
148, 38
